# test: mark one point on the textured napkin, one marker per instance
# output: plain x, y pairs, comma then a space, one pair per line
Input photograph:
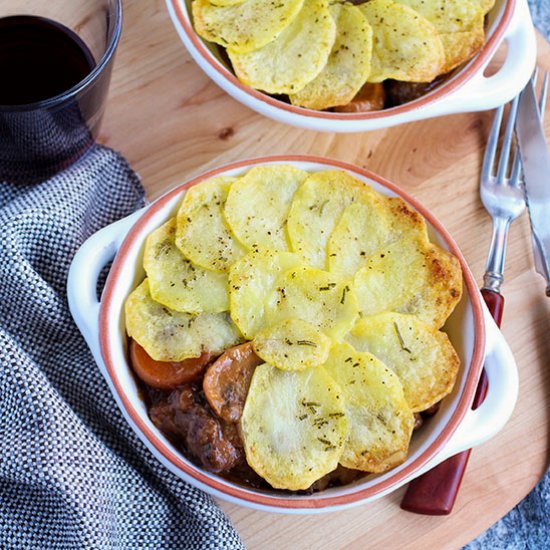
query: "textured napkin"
72, 472
527, 525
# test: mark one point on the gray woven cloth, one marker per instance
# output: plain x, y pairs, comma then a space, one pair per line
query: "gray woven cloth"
527, 526
540, 11
72, 473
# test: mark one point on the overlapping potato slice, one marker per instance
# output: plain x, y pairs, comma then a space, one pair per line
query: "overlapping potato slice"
293, 426
258, 203
292, 344
367, 227
411, 276
294, 58
252, 281
325, 300
406, 46
380, 420
459, 24
202, 233
168, 335
486, 5
245, 26
226, 2
423, 359
317, 207
176, 282
348, 65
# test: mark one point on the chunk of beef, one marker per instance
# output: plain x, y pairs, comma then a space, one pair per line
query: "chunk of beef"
184, 416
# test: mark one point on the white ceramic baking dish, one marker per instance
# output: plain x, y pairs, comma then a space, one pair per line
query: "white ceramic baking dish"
456, 427
467, 90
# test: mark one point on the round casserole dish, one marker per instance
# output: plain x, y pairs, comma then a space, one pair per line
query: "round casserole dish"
455, 428
467, 90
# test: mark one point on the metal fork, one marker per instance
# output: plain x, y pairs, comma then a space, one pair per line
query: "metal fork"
502, 194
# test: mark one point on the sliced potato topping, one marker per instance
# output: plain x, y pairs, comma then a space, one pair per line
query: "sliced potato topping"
289, 62
380, 421
258, 203
168, 335
348, 65
177, 282
459, 24
406, 46
251, 283
244, 26
321, 53
292, 345
202, 233
486, 5
410, 276
317, 207
323, 299
294, 426
339, 294
367, 227
226, 2
423, 359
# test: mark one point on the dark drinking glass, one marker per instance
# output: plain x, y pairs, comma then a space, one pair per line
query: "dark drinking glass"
56, 58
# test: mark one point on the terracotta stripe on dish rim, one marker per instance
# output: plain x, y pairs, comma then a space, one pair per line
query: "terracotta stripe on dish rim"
444, 90
218, 484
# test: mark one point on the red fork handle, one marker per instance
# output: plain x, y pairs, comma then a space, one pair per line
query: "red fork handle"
434, 493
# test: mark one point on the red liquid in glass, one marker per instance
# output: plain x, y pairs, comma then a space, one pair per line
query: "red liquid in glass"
39, 59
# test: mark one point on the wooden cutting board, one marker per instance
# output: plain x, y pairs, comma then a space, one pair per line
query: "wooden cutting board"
172, 122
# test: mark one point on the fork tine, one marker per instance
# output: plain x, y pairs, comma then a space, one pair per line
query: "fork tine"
543, 95
515, 175
492, 142
507, 141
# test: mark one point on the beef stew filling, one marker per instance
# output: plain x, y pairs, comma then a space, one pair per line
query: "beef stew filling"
185, 417
201, 418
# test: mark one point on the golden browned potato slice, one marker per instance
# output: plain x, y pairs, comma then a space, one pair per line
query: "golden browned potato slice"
168, 335
245, 26
348, 65
423, 359
459, 24
487, 5
258, 203
294, 58
367, 227
226, 2
293, 426
317, 207
202, 233
292, 345
252, 281
380, 421
325, 300
406, 46
174, 281
410, 276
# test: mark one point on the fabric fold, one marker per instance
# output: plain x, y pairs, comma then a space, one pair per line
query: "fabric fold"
72, 472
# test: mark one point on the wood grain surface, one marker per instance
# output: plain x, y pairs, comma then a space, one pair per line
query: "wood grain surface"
172, 122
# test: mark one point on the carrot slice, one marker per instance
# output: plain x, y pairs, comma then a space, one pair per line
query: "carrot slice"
227, 380
166, 375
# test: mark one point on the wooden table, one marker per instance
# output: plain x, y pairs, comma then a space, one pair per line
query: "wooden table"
172, 122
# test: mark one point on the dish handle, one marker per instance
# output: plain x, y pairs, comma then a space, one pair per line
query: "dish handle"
84, 273
489, 418
481, 92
